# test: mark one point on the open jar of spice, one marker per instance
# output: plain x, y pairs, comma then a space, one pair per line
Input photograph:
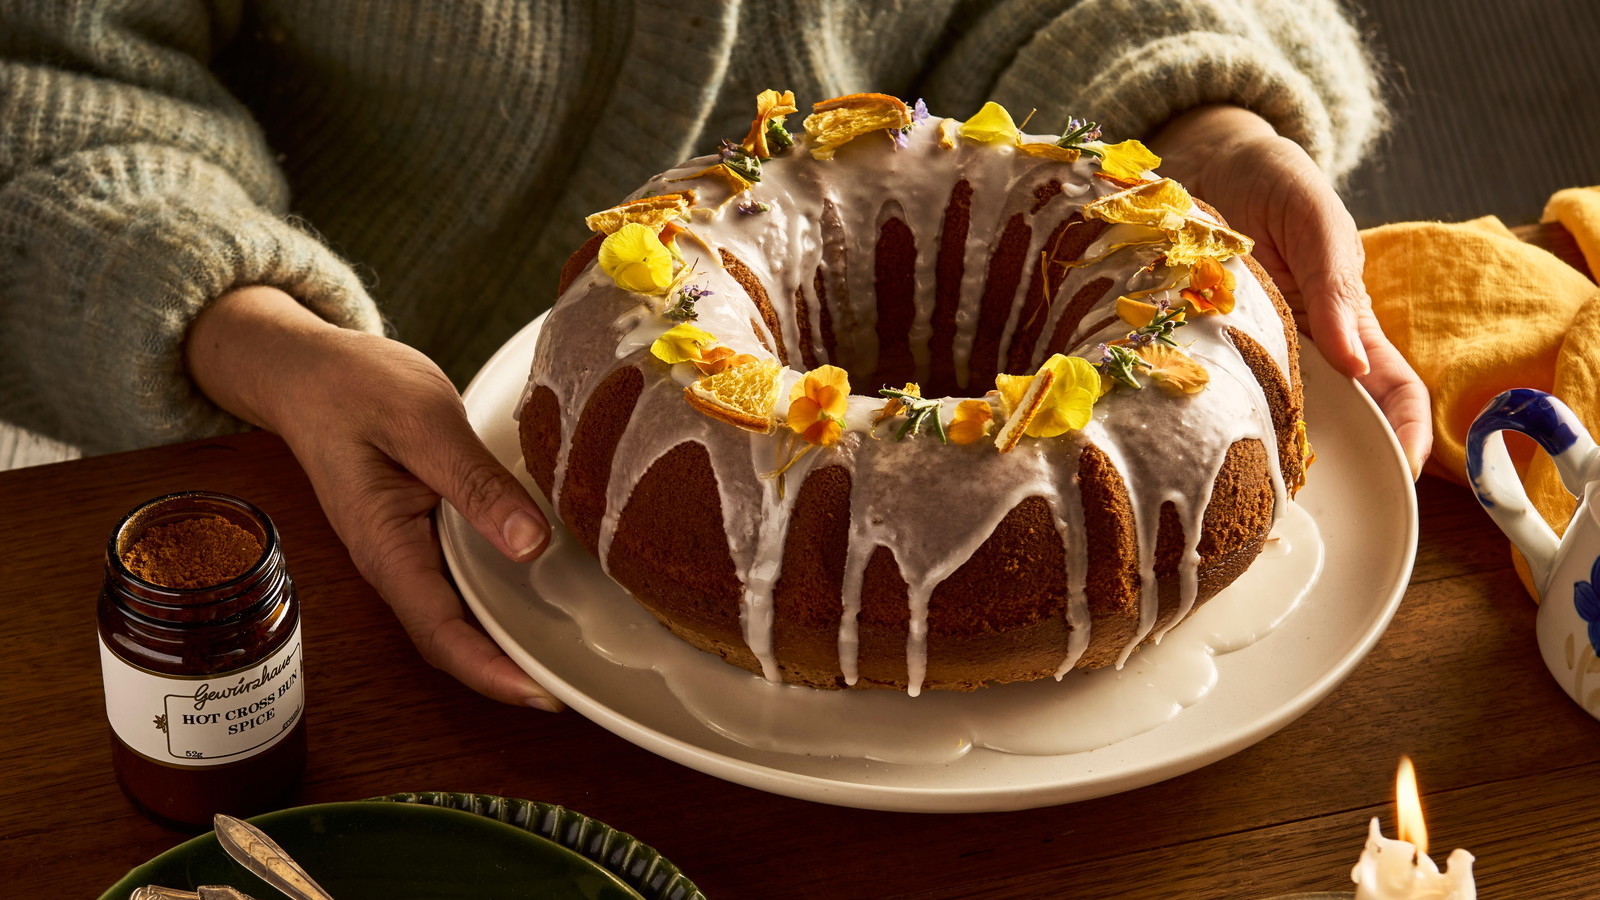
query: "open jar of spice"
200, 652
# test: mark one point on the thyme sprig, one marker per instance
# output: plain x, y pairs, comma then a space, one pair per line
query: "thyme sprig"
1076, 133
682, 307
778, 137
740, 161
1160, 328
1118, 364
920, 413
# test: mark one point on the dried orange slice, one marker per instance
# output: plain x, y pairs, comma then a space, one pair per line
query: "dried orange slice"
743, 395
834, 123
651, 212
1162, 203
1027, 407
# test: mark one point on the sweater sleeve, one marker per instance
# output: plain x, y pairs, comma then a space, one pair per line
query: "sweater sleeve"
1133, 64
133, 191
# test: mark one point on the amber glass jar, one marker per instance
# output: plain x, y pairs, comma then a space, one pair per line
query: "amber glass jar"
203, 681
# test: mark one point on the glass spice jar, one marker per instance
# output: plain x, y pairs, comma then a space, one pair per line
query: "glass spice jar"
201, 657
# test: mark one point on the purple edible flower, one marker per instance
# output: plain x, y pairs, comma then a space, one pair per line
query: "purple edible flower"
751, 206
919, 112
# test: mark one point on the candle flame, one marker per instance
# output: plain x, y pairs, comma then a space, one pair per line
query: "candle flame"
1408, 807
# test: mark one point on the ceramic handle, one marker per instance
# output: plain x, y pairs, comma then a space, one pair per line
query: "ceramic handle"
1553, 426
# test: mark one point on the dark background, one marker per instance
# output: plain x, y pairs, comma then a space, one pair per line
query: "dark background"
1495, 106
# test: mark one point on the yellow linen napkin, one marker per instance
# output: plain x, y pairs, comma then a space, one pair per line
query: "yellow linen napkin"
1477, 312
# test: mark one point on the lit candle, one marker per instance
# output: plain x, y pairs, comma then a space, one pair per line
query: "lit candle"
1400, 869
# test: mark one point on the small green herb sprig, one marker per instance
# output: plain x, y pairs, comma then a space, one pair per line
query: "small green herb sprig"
920, 412
778, 137
682, 307
1076, 133
1160, 328
740, 161
1118, 364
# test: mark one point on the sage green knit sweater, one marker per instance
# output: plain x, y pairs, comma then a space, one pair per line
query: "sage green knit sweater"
424, 166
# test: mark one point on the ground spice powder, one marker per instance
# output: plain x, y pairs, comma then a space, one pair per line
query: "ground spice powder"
192, 553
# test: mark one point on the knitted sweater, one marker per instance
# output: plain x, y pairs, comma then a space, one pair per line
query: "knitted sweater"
424, 166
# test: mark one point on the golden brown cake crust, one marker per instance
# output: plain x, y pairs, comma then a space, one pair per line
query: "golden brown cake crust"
1003, 614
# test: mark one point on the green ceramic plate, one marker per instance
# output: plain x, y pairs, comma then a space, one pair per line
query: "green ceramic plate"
444, 845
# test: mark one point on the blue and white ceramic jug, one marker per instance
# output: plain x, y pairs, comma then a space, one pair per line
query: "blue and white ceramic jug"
1566, 570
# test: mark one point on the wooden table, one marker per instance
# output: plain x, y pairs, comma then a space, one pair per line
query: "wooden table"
1510, 768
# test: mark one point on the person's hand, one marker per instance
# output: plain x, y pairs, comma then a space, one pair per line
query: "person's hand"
1267, 187
382, 435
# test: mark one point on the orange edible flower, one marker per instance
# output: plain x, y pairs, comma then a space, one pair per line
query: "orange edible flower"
817, 405
1308, 456
720, 358
1173, 370
1210, 287
834, 123
737, 184
971, 422
769, 105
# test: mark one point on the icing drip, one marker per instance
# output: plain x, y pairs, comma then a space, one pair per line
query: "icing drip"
827, 217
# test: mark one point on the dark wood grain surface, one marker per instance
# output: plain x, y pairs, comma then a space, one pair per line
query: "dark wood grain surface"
1510, 768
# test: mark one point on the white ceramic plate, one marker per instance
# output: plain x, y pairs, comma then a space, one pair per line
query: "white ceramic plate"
1360, 497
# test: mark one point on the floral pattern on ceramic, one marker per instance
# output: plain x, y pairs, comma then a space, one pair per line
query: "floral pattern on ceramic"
1568, 633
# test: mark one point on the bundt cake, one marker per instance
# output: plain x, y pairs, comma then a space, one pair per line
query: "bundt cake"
901, 401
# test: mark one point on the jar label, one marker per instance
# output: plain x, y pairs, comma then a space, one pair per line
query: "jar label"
205, 720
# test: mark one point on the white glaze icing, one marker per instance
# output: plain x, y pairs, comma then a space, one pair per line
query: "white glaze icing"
1086, 711
1168, 448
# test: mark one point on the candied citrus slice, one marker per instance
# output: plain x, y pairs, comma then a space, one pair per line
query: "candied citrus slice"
652, 212
1027, 407
742, 395
834, 123
1162, 204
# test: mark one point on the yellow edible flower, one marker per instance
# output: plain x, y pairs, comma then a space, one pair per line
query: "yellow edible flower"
636, 259
817, 405
1067, 406
1128, 159
1051, 151
971, 422
992, 125
682, 343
